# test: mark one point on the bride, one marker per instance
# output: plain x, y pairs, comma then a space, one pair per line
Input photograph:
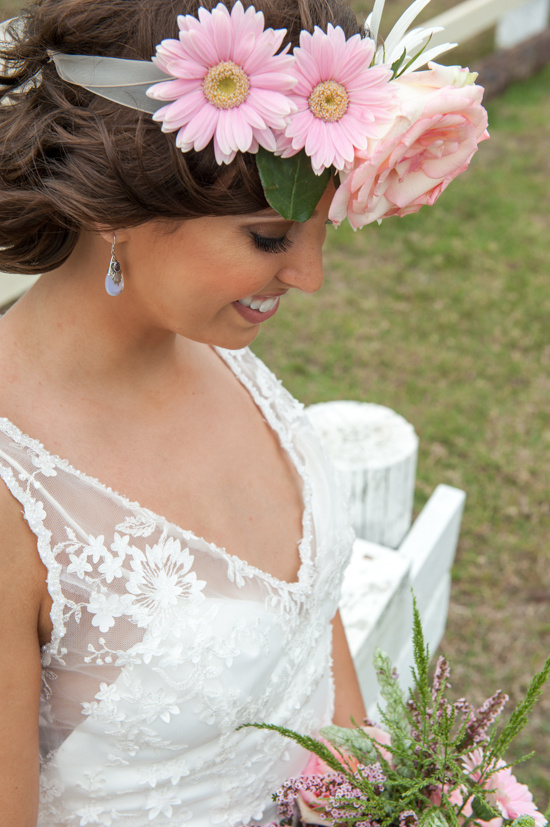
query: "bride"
140, 629
203, 595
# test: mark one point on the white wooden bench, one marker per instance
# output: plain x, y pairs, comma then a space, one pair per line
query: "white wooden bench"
375, 451
376, 604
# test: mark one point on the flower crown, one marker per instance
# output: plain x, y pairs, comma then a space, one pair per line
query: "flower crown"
391, 136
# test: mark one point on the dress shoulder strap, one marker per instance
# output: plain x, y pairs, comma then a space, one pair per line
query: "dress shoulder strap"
27, 490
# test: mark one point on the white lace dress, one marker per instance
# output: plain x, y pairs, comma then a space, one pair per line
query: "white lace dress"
163, 643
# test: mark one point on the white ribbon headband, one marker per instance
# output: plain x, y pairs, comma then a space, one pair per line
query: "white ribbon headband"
118, 80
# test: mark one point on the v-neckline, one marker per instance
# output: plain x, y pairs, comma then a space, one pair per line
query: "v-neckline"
304, 574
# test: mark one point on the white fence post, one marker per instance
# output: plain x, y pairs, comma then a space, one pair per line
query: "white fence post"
375, 450
522, 23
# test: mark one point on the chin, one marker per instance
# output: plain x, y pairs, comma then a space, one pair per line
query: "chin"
230, 339
237, 340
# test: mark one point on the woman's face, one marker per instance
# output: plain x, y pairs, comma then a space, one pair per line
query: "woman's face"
216, 280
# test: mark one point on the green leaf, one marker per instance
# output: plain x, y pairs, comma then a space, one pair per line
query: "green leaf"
483, 811
520, 716
396, 710
352, 741
290, 185
432, 818
411, 61
308, 743
395, 67
421, 658
523, 821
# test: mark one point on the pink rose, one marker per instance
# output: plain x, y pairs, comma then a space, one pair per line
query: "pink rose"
432, 140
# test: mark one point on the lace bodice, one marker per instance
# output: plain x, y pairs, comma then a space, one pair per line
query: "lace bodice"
163, 644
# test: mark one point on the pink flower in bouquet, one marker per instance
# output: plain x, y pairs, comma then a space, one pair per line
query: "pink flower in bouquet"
309, 804
431, 140
507, 794
383, 739
230, 85
341, 99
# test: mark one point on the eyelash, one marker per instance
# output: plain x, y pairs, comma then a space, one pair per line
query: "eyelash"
272, 245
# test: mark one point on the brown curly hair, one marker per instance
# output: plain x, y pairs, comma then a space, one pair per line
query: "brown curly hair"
72, 161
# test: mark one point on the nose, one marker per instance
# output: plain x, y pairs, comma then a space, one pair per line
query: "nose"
304, 266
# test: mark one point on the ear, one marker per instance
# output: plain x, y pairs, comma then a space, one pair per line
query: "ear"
120, 235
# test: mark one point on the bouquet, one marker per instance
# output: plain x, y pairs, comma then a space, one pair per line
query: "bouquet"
431, 763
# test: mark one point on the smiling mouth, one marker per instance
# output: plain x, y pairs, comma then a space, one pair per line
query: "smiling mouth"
262, 304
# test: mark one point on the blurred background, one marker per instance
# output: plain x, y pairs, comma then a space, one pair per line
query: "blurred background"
444, 316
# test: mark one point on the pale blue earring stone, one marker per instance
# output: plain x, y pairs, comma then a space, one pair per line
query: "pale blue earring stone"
114, 280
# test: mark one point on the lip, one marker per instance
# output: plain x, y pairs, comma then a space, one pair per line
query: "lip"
255, 316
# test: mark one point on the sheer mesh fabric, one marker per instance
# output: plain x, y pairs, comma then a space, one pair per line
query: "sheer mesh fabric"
164, 644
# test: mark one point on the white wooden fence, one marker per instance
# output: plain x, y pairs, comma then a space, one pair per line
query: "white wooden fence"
376, 603
375, 451
516, 21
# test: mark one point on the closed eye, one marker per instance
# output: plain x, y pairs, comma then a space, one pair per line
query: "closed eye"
268, 244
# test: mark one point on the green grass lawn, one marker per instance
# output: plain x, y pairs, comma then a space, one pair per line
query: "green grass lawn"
445, 317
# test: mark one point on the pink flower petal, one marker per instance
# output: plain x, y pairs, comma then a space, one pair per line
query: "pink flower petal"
241, 129
265, 138
252, 116
268, 104
307, 71
243, 48
223, 32
181, 110
172, 89
202, 47
300, 126
200, 129
275, 81
221, 156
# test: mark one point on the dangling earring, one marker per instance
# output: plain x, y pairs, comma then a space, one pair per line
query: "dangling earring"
114, 280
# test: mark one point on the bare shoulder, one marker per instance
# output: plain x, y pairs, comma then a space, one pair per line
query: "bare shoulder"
24, 620
22, 573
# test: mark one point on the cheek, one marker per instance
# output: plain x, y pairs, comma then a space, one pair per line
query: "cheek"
225, 280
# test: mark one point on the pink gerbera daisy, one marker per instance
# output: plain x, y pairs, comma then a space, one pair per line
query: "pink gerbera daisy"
507, 794
340, 98
228, 83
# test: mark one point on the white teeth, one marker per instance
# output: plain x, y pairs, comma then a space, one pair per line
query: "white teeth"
263, 305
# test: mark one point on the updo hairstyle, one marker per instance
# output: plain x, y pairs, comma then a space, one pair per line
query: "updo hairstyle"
72, 161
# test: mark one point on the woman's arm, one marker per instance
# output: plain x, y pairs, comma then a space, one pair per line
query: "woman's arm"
22, 590
348, 700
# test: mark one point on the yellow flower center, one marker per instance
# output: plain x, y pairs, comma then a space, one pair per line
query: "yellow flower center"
329, 101
226, 85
